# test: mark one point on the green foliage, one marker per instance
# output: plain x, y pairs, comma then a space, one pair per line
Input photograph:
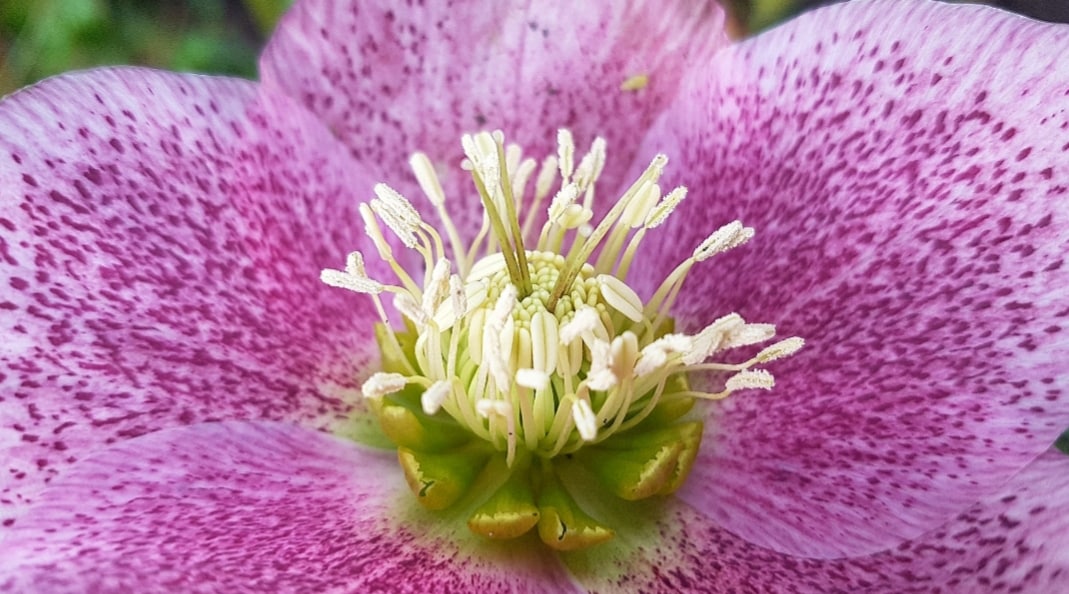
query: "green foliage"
39, 38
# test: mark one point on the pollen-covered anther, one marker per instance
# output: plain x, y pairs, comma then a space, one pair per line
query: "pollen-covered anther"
344, 280
723, 239
397, 213
585, 421
435, 396
659, 214
582, 323
407, 305
781, 349
750, 379
534, 379
656, 355
380, 384
601, 375
747, 334
353, 278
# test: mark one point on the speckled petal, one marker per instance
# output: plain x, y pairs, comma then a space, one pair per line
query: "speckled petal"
162, 237
392, 79
905, 165
253, 507
1014, 540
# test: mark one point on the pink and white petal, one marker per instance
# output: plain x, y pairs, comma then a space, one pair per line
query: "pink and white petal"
905, 166
392, 80
251, 507
162, 241
1014, 540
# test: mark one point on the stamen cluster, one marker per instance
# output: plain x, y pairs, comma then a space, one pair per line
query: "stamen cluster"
512, 357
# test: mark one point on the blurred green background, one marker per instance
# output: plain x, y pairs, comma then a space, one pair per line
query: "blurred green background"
39, 38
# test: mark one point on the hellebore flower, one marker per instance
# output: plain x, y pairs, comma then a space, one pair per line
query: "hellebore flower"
173, 367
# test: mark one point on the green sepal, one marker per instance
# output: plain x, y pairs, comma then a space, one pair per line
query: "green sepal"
511, 511
440, 480
639, 464
405, 424
562, 525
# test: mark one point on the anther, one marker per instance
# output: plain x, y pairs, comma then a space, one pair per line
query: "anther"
723, 239
380, 384
585, 421
750, 379
783, 348
436, 395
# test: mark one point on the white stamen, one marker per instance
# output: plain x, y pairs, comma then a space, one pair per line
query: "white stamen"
398, 204
434, 396
621, 297
534, 379
434, 293
380, 384
427, 178
783, 348
546, 175
582, 322
513, 154
638, 209
601, 375
492, 349
344, 280
592, 164
750, 379
458, 296
396, 221
502, 409
668, 204
406, 304
709, 339
654, 355
354, 265
522, 176
372, 230
565, 154
562, 200
487, 407
585, 421
544, 341
497, 339
575, 217
720, 241
746, 335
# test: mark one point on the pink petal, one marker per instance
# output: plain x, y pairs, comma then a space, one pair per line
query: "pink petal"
162, 241
905, 166
1012, 541
253, 507
393, 80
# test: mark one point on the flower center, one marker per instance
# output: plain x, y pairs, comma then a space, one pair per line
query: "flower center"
519, 369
